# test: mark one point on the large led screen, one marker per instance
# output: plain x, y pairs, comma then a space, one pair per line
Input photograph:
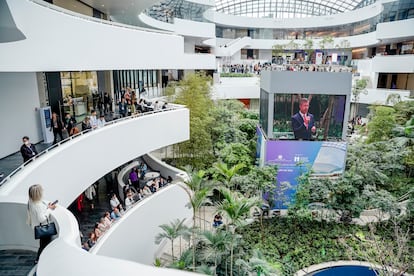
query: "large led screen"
310, 117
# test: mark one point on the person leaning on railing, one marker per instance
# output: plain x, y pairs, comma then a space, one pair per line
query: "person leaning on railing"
38, 212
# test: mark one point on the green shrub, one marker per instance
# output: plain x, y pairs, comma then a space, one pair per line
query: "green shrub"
236, 75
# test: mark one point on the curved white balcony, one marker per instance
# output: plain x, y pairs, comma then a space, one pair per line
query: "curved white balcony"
182, 26
69, 169
127, 248
355, 41
60, 40
130, 243
227, 20
237, 88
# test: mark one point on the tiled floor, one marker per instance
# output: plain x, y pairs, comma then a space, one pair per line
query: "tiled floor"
9, 163
88, 216
13, 161
16, 262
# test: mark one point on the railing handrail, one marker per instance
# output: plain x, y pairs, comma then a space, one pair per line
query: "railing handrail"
97, 20
10, 175
136, 203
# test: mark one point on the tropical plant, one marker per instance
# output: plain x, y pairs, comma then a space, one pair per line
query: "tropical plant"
358, 88
257, 263
390, 250
224, 174
157, 262
216, 244
404, 111
259, 180
326, 41
393, 99
292, 45
172, 231
206, 270
237, 154
235, 208
236, 75
198, 193
194, 92
381, 124
278, 49
308, 47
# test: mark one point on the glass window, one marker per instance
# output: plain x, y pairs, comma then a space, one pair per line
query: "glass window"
287, 9
264, 111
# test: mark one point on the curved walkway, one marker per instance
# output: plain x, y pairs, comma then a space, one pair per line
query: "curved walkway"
122, 140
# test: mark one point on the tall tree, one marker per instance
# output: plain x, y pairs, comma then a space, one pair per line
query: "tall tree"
381, 124
198, 193
194, 91
235, 208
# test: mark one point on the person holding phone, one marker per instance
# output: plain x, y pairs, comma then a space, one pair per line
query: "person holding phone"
38, 213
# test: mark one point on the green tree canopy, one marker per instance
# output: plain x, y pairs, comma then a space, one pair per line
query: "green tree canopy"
381, 124
194, 92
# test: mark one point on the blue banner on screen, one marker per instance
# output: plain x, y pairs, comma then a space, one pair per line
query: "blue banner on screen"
294, 158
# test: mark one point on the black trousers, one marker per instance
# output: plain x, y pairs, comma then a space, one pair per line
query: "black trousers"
56, 132
43, 243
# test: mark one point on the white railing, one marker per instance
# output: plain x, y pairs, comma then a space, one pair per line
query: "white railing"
96, 20
121, 251
9, 176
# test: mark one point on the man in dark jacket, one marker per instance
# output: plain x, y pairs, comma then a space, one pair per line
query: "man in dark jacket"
27, 150
303, 123
70, 122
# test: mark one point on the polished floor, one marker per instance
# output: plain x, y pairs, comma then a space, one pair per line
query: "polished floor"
9, 163
16, 262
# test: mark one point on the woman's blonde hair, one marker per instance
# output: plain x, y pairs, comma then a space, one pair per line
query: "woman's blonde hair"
35, 192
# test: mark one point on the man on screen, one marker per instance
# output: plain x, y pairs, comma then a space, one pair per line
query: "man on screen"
303, 124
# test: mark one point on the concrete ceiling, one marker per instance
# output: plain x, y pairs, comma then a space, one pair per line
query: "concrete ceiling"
123, 11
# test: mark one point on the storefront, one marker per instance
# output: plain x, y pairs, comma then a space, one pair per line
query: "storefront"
80, 93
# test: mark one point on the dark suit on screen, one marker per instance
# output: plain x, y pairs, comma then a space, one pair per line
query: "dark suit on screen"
299, 128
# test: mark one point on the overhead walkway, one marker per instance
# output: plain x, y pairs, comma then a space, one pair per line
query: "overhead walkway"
230, 48
52, 41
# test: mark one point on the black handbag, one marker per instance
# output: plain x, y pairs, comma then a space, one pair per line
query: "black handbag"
45, 230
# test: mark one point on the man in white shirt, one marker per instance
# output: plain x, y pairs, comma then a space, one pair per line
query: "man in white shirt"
101, 122
93, 119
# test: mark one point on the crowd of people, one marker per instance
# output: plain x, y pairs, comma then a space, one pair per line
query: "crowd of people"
268, 66
130, 103
353, 122
132, 192
69, 124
